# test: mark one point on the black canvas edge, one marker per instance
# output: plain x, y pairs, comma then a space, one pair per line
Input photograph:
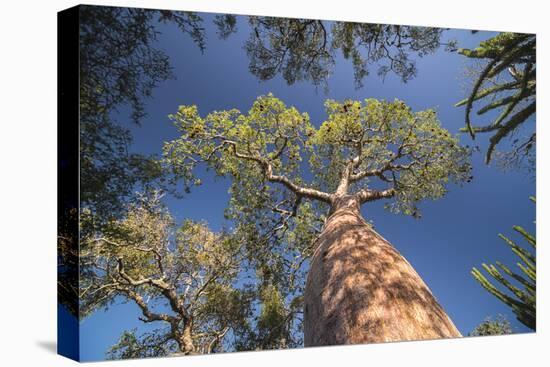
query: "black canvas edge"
68, 336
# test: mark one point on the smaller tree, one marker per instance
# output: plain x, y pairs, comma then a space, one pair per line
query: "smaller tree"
507, 82
498, 326
182, 279
522, 299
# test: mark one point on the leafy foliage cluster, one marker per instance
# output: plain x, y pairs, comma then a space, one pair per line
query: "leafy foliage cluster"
490, 327
278, 323
306, 49
361, 147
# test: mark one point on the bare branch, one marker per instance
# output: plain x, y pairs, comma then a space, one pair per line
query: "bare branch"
216, 339
371, 195
270, 176
148, 315
167, 291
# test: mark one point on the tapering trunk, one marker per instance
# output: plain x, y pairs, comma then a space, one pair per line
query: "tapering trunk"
361, 290
185, 340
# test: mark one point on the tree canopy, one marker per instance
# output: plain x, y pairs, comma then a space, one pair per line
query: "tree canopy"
505, 83
286, 174
373, 149
306, 49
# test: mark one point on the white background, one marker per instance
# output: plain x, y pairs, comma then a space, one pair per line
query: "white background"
28, 180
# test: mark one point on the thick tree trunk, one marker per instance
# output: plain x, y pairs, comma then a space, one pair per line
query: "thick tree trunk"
361, 290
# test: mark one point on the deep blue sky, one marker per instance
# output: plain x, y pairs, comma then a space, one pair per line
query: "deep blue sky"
454, 234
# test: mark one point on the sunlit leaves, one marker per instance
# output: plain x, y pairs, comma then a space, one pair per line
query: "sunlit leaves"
389, 144
270, 129
276, 323
393, 145
132, 345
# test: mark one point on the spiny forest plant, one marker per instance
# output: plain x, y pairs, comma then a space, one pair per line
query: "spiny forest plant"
520, 290
287, 176
507, 84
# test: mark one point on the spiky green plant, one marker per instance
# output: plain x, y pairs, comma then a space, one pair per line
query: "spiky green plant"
507, 82
519, 294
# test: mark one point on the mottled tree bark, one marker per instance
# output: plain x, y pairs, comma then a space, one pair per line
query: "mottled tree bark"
184, 338
361, 290
187, 340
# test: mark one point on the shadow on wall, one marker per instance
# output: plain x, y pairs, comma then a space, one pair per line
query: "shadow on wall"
47, 345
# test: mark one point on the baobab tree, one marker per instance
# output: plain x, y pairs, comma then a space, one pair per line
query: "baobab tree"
180, 278
359, 289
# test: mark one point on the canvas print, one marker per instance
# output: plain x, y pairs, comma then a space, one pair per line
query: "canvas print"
234, 183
